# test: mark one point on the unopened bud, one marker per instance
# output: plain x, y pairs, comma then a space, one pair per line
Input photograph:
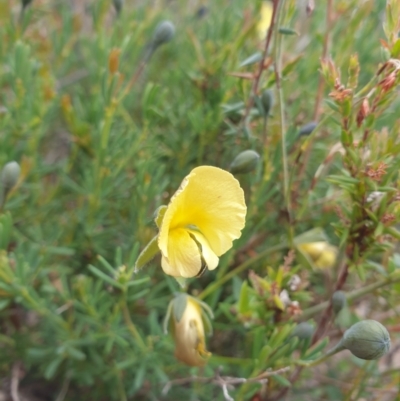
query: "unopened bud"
367, 340
307, 129
25, 3
118, 4
9, 177
363, 112
244, 162
303, 331
339, 301
164, 33
267, 101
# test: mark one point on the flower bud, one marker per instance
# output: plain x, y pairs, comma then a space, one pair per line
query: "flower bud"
164, 33
187, 320
267, 101
367, 339
303, 331
25, 3
118, 4
9, 177
244, 162
307, 129
321, 254
339, 301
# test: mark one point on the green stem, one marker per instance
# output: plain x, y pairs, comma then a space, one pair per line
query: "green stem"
243, 266
337, 348
278, 44
394, 278
131, 326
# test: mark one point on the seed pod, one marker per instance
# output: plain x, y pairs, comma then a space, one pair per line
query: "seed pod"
307, 129
339, 301
244, 162
267, 100
367, 340
9, 177
163, 33
303, 331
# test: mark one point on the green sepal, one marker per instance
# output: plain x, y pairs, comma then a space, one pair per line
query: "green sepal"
316, 234
181, 281
147, 254
179, 306
159, 215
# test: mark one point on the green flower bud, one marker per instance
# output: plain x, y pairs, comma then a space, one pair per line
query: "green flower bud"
244, 162
307, 129
164, 33
366, 340
339, 301
25, 3
118, 4
303, 331
267, 100
9, 177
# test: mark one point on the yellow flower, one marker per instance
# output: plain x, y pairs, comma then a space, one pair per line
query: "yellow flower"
265, 19
187, 327
321, 253
203, 218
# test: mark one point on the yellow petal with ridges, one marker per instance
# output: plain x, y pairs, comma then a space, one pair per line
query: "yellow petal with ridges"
184, 259
209, 256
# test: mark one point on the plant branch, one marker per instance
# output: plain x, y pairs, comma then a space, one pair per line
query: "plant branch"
256, 80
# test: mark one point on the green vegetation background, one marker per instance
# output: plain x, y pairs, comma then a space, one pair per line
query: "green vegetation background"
94, 170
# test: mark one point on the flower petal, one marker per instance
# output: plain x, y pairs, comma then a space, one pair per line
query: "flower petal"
210, 199
184, 259
208, 254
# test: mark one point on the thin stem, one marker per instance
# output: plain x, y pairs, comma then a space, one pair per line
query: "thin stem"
260, 70
353, 295
243, 266
286, 187
131, 326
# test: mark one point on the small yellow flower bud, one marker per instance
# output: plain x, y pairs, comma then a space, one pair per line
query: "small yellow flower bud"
321, 253
186, 317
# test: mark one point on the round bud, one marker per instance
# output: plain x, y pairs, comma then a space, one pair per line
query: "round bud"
339, 301
267, 101
367, 340
303, 331
244, 162
307, 129
164, 32
9, 175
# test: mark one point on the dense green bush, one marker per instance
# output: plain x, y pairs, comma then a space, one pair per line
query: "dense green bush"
105, 125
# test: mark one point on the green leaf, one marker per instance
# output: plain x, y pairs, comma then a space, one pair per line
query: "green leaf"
282, 380
52, 368
254, 58
104, 277
287, 31
147, 254
243, 304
